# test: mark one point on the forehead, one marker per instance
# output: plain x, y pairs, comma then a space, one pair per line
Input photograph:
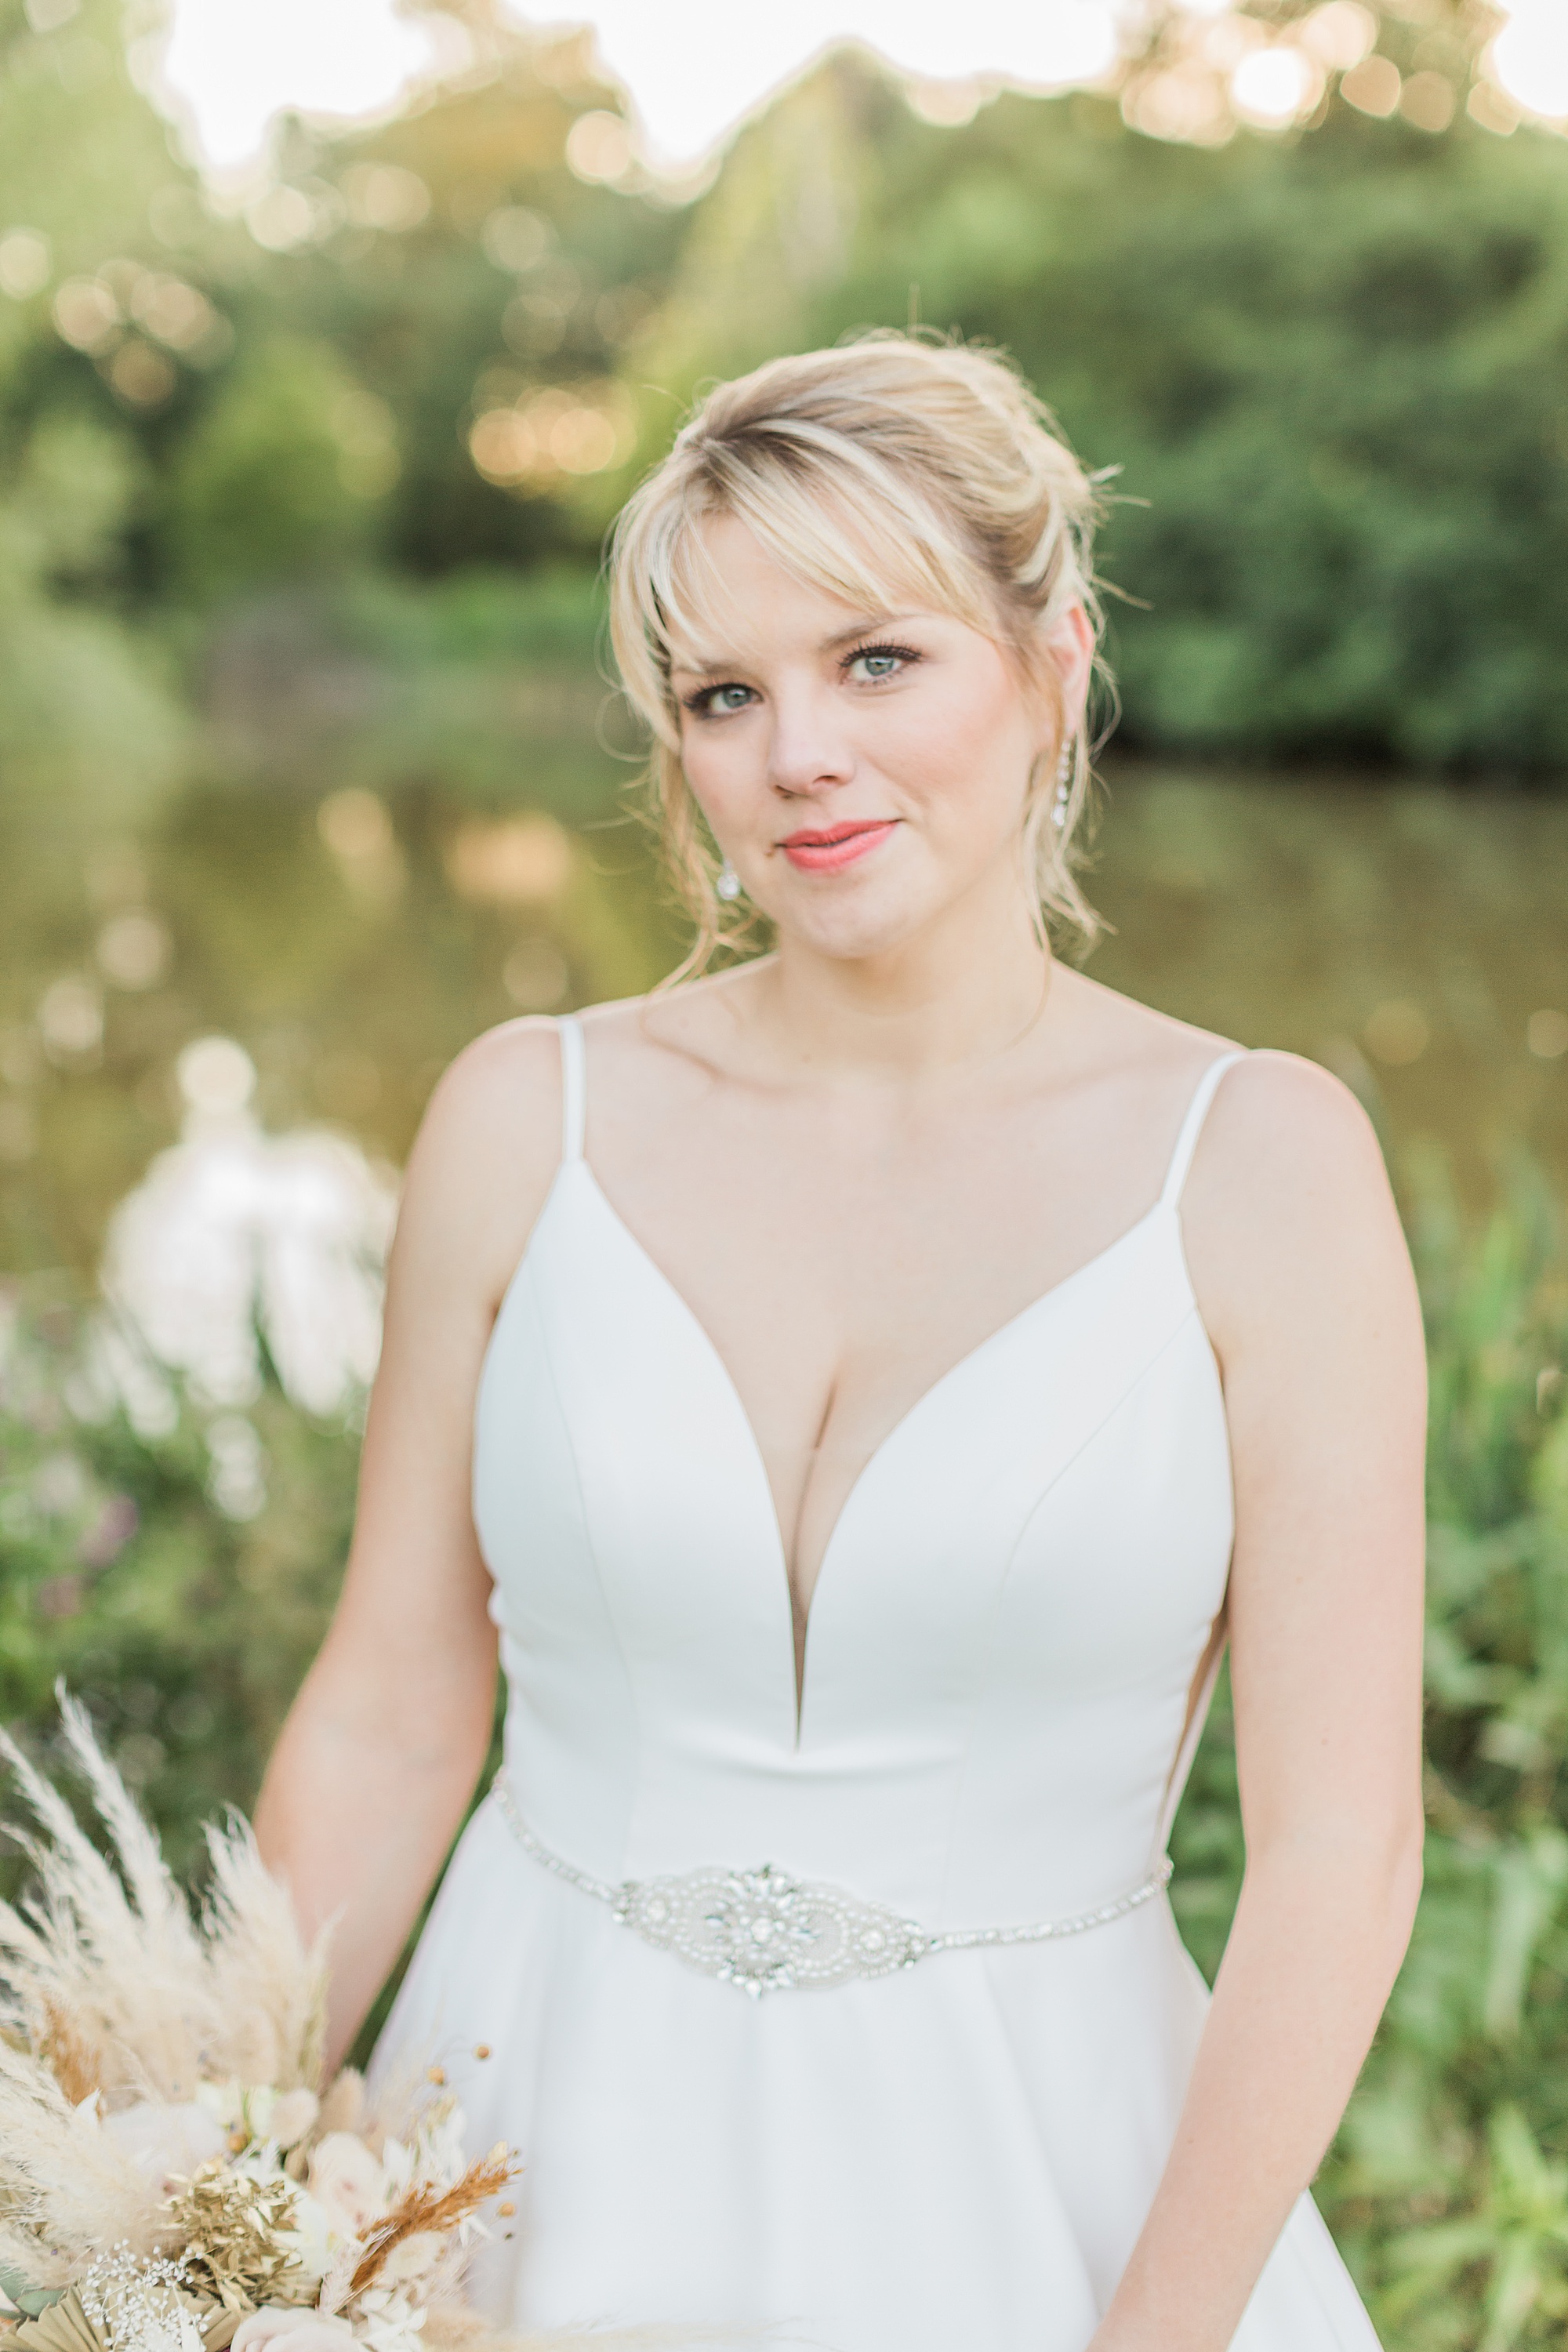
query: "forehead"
733, 588
735, 595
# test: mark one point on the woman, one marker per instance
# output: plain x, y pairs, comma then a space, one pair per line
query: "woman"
866, 1389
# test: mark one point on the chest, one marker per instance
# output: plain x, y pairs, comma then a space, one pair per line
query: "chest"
839, 1276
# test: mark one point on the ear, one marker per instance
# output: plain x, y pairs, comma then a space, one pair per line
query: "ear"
1070, 644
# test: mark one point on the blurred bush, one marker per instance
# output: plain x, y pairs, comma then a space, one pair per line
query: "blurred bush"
1447, 2188
275, 480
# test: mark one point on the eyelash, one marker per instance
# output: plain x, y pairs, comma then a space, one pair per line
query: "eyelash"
698, 703
901, 653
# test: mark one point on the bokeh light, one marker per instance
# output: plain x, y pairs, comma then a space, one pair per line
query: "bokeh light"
1275, 84
1530, 56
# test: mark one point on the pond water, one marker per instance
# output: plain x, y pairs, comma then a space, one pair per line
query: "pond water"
1411, 937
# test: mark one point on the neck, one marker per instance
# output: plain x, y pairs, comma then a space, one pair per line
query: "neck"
964, 991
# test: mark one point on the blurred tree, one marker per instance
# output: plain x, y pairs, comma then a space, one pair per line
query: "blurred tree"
466, 264
279, 477
90, 736
85, 164
91, 733
1329, 368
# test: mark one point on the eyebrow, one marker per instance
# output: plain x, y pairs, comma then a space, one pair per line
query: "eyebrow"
857, 628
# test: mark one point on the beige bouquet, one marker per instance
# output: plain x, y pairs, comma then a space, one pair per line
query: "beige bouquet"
175, 2176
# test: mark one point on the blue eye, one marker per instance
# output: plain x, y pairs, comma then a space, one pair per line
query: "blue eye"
874, 665
718, 701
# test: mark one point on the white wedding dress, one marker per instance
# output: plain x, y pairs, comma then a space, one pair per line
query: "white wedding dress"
956, 2156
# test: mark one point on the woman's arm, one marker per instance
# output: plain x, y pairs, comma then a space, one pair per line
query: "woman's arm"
381, 1750
1305, 1284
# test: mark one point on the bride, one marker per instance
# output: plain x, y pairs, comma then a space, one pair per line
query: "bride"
861, 1393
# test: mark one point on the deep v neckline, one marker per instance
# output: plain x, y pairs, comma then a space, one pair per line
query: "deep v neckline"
709, 1348
575, 1163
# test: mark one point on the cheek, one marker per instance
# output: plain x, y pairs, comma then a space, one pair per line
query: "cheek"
963, 757
717, 765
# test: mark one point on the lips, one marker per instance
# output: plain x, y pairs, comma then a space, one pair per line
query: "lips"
828, 849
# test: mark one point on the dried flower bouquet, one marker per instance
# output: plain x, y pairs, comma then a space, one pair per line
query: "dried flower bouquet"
174, 2176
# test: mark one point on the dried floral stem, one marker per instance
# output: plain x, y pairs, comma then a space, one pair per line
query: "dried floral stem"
436, 2210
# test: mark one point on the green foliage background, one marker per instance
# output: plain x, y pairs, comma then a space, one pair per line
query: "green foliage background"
257, 567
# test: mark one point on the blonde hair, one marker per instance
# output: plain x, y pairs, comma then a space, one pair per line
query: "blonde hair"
888, 466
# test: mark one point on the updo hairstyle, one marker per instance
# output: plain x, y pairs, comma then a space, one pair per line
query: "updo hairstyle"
890, 470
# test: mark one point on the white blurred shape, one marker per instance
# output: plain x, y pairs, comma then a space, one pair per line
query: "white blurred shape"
693, 71
134, 950
70, 1019
693, 68
239, 63
232, 1230
1530, 56
1273, 85
237, 1476
216, 1076
24, 262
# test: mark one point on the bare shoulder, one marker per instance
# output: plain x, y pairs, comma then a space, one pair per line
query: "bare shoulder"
1288, 1211
485, 1158
1282, 1127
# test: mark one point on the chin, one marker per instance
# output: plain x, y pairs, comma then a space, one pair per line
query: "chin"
869, 924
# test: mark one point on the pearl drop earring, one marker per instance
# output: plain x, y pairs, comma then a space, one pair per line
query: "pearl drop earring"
728, 885
1064, 788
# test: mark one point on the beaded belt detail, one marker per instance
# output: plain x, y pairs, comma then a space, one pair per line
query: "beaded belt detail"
764, 1931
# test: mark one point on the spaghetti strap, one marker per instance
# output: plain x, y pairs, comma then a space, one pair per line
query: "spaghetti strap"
574, 1087
1193, 1126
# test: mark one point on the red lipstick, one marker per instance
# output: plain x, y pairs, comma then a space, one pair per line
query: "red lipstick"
825, 849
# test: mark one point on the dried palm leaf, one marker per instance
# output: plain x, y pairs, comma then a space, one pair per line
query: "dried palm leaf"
64, 2327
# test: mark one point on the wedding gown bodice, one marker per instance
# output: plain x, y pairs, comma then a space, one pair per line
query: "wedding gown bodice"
994, 1720
1006, 1628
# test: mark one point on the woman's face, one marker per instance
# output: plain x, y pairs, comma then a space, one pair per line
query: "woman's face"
864, 772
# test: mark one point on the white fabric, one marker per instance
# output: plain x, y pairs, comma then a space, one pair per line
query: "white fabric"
1002, 1643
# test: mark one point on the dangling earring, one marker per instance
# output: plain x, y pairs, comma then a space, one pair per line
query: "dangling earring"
728, 885
1064, 788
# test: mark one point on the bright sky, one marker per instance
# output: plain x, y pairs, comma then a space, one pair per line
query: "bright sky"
692, 68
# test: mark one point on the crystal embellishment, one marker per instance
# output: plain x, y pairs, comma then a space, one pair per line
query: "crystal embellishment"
762, 1930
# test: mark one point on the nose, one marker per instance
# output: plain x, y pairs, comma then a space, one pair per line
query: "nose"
808, 751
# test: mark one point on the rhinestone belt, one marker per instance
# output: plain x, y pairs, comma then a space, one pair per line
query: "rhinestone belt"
764, 1931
